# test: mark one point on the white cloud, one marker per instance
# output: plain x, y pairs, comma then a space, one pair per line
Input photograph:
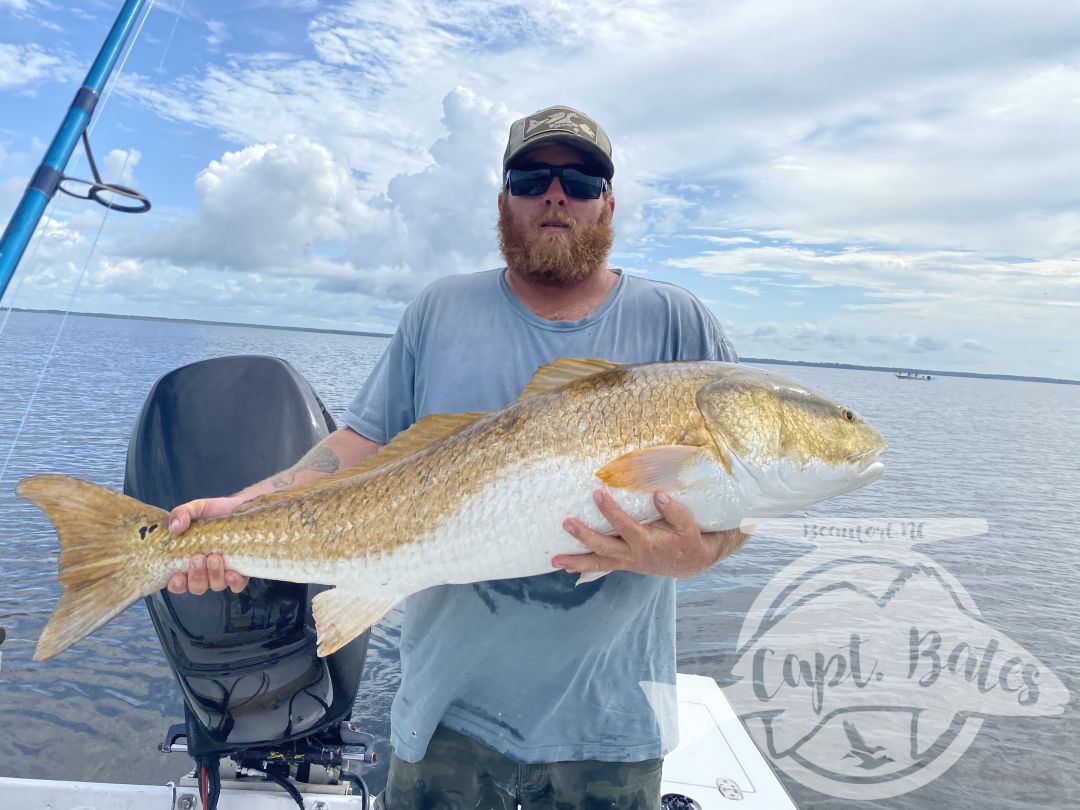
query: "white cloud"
910, 343
920, 282
59, 236
15, 5
743, 288
939, 168
266, 208
126, 270
725, 240
904, 121
291, 220
975, 346
287, 5
273, 97
119, 166
294, 209
23, 65
447, 211
178, 9
807, 337
216, 33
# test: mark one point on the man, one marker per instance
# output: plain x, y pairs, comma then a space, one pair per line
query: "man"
535, 691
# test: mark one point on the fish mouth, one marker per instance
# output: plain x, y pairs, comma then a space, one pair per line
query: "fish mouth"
864, 466
867, 455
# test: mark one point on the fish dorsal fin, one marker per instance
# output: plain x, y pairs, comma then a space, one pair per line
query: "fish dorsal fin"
562, 371
419, 436
413, 439
274, 497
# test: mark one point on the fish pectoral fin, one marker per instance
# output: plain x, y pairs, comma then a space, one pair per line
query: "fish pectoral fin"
342, 614
652, 468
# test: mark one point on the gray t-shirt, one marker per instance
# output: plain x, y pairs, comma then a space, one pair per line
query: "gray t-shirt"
535, 667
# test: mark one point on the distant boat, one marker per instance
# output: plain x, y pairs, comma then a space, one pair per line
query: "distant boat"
912, 375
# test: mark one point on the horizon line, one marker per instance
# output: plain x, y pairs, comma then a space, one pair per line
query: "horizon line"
766, 360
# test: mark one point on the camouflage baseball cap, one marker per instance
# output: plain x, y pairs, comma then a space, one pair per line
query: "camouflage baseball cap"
559, 124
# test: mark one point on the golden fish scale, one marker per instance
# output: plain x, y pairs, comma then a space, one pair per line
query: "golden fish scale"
600, 417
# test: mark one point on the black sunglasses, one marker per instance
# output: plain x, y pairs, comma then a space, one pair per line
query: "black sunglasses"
533, 180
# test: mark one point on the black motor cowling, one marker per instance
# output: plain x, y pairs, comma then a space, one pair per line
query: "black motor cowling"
246, 662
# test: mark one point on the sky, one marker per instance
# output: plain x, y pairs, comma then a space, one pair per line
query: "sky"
886, 183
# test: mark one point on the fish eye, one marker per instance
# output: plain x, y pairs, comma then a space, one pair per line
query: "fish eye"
848, 414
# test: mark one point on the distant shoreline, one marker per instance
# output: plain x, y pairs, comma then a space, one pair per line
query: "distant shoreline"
930, 371
198, 322
764, 360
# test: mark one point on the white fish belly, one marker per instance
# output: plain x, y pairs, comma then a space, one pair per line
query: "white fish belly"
513, 527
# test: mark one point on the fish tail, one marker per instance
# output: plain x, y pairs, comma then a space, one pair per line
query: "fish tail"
111, 554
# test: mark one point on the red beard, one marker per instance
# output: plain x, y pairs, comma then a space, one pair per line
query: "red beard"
560, 259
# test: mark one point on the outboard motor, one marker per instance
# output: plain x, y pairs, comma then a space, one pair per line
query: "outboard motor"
254, 689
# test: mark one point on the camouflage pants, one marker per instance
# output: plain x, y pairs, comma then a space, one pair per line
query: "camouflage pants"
458, 773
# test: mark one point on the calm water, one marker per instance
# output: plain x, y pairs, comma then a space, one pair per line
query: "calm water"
1000, 451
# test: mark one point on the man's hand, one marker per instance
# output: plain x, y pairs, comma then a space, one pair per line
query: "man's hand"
673, 546
342, 448
205, 571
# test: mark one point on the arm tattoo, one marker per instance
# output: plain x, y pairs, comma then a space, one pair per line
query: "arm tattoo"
318, 458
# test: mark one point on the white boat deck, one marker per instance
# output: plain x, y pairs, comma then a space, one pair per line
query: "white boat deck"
716, 764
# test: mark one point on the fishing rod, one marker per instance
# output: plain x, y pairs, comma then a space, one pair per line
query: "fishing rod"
49, 175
